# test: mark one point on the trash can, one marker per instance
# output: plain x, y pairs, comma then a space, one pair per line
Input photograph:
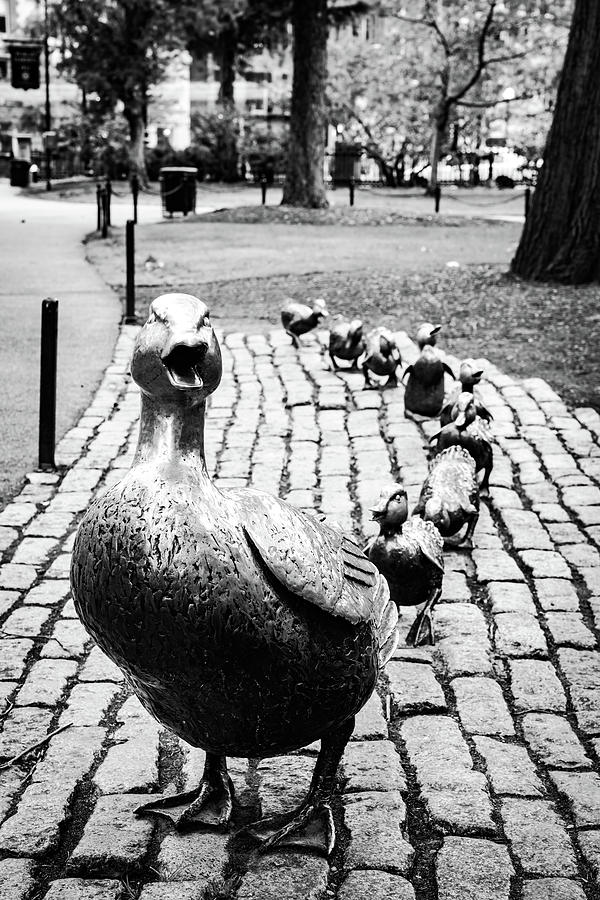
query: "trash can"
178, 189
19, 172
346, 163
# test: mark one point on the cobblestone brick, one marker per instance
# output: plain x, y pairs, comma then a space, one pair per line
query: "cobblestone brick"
293, 876
519, 634
7, 536
375, 821
509, 768
589, 843
525, 530
538, 838
545, 564
456, 797
179, 890
114, 840
370, 721
17, 514
88, 703
84, 889
582, 790
16, 879
23, 727
473, 869
556, 594
196, 857
33, 551
284, 783
373, 766
496, 566
67, 641
369, 884
552, 889
17, 577
481, 706
510, 596
553, 741
582, 671
49, 525
131, 765
414, 688
7, 601
536, 686
462, 640
568, 628
48, 593
27, 621
98, 667
12, 659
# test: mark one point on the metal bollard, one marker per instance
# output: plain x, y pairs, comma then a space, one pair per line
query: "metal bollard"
99, 207
135, 189
47, 429
527, 200
437, 196
130, 317
351, 189
108, 199
104, 200
263, 188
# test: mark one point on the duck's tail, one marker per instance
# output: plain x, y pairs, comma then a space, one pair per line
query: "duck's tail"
386, 617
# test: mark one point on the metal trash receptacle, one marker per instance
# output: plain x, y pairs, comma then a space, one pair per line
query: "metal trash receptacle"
178, 189
346, 164
19, 172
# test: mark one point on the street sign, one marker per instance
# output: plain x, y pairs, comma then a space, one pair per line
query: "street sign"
25, 65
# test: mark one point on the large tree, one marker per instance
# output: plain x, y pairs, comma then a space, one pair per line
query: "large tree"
120, 49
561, 237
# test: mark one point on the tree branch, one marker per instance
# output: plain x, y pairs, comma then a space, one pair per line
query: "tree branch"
481, 63
485, 104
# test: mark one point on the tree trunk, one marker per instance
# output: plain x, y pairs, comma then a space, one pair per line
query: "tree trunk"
304, 184
227, 57
134, 113
227, 149
437, 140
561, 237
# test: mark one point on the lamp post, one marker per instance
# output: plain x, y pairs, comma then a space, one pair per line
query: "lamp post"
48, 122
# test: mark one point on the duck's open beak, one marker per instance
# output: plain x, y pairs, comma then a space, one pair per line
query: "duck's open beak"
183, 361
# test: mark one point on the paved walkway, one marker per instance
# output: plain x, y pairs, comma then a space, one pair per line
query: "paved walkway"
473, 772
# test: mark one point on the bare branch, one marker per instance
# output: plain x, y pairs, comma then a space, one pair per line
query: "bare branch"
485, 104
481, 63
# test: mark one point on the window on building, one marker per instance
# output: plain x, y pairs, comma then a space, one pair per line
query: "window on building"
2, 24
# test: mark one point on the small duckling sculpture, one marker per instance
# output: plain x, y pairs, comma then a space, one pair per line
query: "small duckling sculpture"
246, 626
346, 341
469, 375
298, 318
424, 393
409, 554
382, 357
450, 497
465, 431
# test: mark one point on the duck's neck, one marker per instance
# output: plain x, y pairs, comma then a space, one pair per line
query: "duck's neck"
172, 432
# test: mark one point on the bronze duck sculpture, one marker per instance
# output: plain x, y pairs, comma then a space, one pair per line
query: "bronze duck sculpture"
244, 625
465, 431
469, 375
346, 341
450, 496
298, 318
382, 357
409, 554
424, 392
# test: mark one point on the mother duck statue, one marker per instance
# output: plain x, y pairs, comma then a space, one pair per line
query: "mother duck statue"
244, 625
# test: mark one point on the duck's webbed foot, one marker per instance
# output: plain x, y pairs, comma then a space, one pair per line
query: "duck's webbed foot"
421, 632
392, 381
210, 804
311, 824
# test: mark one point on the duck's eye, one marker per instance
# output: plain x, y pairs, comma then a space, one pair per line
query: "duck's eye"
205, 323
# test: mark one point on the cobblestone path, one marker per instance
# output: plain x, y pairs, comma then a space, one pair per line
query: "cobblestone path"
472, 774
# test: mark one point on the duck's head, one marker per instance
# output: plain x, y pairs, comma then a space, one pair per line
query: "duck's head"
465, 408
356, 328
391, 510
177, 355
469, 374
427, 334
436, 512
319, 308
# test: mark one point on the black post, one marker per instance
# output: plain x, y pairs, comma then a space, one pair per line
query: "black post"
99, 206
263, 188
47, 148
351, 189
135, 189
130, 272
527, 200
104, 200
437, 196
48, 383
108, 196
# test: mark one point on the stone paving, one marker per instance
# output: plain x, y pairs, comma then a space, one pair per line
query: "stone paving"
473, 771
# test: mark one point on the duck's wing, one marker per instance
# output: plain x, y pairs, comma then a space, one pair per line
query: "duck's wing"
428, 538
315, 562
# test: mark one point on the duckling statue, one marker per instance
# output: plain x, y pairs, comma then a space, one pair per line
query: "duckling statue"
298, 318
450, 497
424, 393
409, 554
244, 625
465, 431
346, 341
469, 375
382, 357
